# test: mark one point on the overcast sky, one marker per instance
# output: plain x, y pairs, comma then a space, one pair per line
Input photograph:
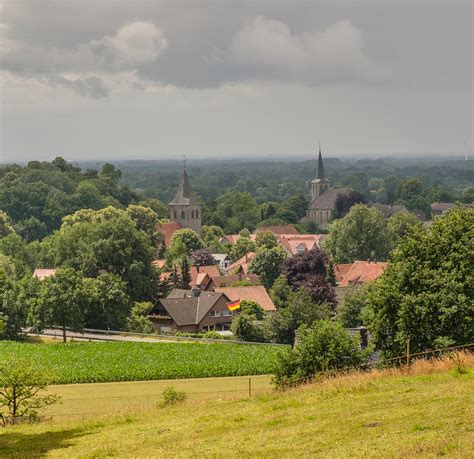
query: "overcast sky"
130, 79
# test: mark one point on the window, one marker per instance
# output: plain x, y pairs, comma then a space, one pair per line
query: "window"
175, 214
182, 214
197, 213
215, 313
228, 313
192, 214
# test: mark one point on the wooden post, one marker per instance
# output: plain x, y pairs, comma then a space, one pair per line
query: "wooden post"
408, 351
250, 387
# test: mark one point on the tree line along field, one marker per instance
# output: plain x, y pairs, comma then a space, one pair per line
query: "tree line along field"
107, 362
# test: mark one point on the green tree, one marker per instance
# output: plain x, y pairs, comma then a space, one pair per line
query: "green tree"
138, 321
400, 224
252, 308
145, 219
107, 302
267, 263
6, 226
266, 240
189, 239
468, 195
361, 235
237, 210
280, 293
427, 291
350, 308
61, 302
244, 328
243, 246
324, 346
185, 274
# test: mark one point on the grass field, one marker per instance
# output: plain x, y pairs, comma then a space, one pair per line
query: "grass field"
105, 362
426, 413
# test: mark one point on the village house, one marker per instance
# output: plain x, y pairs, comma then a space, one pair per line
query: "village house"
440, 208
43, 273
242, 265
223, 260
297, 243
191, 311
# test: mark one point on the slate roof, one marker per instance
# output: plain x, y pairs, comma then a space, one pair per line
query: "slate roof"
186, 309
327, 200
184, 195
362, 272
255, 293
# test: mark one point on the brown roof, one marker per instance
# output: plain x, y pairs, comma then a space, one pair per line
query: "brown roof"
327, 200
299, 243
43, 273
158, 263
255, 293
340, 270
444, 206
242, 264
186, 309
362, 272
168, 230
229, 279
233, 238
387, 211
212, 271
279, 229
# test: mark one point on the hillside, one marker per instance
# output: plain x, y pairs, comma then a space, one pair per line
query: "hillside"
387, 414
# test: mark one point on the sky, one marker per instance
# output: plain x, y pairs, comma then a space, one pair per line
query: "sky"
149, 79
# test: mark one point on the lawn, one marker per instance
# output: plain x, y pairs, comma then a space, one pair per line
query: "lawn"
426, 413
105, 362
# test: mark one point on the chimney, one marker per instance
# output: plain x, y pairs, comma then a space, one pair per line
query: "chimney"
196, 291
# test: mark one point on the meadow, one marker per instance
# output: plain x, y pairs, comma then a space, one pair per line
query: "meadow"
128, 361
426, 412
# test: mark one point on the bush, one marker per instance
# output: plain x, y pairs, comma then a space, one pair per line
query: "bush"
244, 328
138, 321
324, 347
171, 396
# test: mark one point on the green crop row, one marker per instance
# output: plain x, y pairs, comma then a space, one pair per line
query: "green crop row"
127, 361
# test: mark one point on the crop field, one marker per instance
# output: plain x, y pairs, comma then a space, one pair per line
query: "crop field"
107, 362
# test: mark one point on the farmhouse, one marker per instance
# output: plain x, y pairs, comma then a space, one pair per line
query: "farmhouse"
191, 311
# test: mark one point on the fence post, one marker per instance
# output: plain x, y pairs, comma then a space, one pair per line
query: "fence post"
250, 387
408, 352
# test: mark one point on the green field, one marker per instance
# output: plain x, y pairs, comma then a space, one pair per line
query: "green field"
106, 362
427, 413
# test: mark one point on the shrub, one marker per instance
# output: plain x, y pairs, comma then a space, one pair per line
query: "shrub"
324, 347
138, 321
171, 396
244, 328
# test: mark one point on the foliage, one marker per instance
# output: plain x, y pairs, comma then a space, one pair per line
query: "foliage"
300, 309
349, 309
361, 235
252, 308
145, 220
399, 224
171, 396
267, 263
320, 290
331, 274
325, 346
132, 361
61, 301
20, 392
280, 292
298, 268
244, 328
188, 238
106, 240
186, 279
345, 201
236, 210
427, 290
243, 246
266, 240
6, 226
138, 321
203, 257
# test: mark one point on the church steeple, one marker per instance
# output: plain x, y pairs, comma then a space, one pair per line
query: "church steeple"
320, 184
185, 208
320, 171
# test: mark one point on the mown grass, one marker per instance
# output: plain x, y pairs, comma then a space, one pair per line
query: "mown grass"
105, 362
425, 413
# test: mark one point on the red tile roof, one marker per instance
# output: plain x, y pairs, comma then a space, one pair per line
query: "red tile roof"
362, 272
212, 271
233, 238
242, 264
279, 229
297, 243
255, 293
168, 230
340, 270
159, 263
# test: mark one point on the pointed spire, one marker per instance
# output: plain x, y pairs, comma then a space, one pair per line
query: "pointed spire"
320, 171
184, 193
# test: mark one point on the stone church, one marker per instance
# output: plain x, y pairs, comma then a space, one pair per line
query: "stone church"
185, 208
323, 197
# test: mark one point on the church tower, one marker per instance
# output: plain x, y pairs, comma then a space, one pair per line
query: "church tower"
320, 184
185, 208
